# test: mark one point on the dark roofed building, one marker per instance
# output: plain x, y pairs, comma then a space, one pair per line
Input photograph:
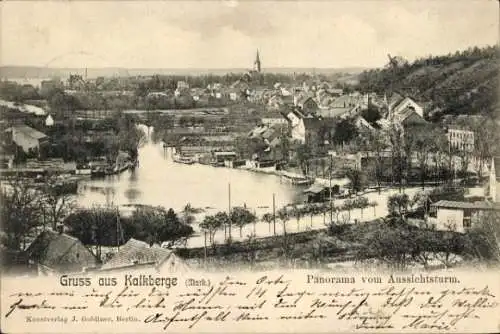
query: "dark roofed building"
409, 117
55, 252
320, 193
307, 105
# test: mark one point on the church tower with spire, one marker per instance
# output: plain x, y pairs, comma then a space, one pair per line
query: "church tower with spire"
256, 63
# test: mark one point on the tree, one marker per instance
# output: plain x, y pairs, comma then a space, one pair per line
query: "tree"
211, 225
485, 235
377, 144
57, 203
268, 218
156, 225
425, 145
391, 245
465, 157
187, 214
348, 205
223, 220
96, 226
395, 134
312, 210
130, 138
284, 147
486, 137
103, 226
296, 212
371, 114
440, 152
345, 131
20, 212
361, 203
251, 248
357, 180
374, 204
284, 217
241, 216
304, 156
410, 135
398, 204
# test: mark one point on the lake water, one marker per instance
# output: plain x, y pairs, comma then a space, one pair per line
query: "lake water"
160, 181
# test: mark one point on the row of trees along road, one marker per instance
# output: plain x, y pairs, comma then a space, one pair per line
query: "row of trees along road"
239, 217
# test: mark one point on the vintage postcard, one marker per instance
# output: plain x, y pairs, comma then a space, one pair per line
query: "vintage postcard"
249, 166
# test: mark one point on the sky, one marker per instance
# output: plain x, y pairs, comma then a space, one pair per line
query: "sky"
226, 34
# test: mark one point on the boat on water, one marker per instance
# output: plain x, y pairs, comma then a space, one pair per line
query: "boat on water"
98, 172
184, 160
298, 180
83, 169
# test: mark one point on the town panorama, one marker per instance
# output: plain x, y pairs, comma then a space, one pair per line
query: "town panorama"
394, 167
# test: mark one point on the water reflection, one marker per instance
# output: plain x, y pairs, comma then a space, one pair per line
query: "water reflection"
160, 181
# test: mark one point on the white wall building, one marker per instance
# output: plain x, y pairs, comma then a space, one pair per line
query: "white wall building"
49, 121
461, 139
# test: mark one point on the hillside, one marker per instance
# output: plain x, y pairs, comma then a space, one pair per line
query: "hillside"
460, 83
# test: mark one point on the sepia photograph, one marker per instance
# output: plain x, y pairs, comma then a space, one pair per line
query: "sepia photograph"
249, 166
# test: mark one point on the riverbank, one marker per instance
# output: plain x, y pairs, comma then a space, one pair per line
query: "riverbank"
285, 173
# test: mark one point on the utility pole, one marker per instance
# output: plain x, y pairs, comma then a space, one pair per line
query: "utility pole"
274, 214
205, 252
229, 208
118, 229
330, 190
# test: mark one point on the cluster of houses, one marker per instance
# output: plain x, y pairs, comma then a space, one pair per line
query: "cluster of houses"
55, 252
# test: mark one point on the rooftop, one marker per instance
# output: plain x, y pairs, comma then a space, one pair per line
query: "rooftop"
28, 131
60, 251
466, 205
136, 252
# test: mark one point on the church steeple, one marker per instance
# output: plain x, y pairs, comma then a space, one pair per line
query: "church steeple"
256, 64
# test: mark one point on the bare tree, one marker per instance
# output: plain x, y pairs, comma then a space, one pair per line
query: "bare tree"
20, 212
57, 203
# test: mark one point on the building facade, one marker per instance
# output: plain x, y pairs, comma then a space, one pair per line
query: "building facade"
461, 139
29, 139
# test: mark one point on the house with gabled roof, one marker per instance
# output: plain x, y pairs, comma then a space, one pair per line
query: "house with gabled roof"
406, 103
27, 138
307, 105
409, 116
56, 252
136, 254
296, 123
